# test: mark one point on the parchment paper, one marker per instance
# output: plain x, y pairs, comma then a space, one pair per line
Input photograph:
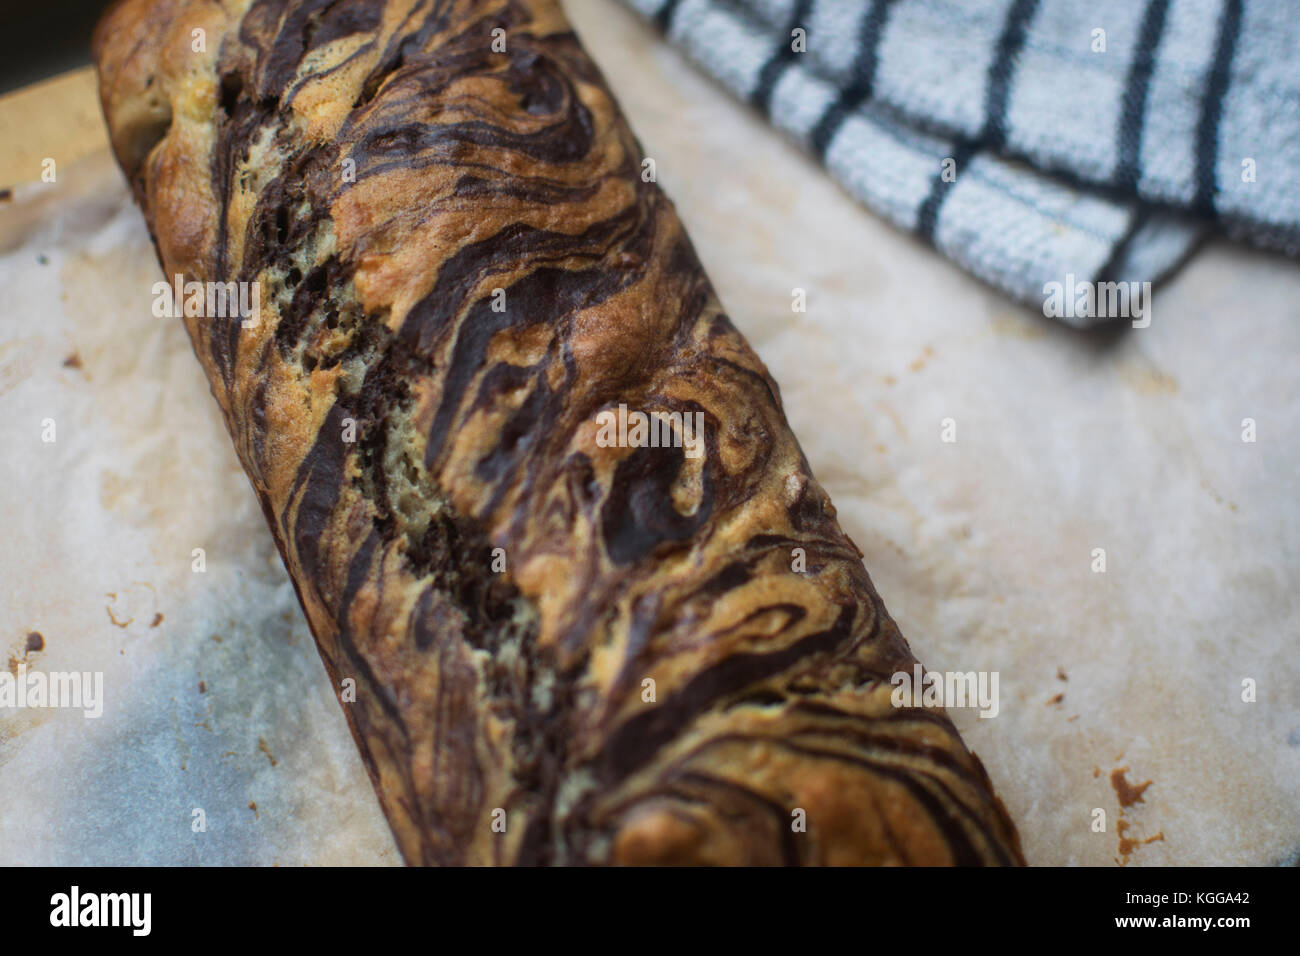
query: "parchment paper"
1127, 440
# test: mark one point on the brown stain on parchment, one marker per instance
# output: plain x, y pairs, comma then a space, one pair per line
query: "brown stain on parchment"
33, 643
22, 721
919, 362
1128, 794
131, 602
1127, 845
261, 745
1218, 498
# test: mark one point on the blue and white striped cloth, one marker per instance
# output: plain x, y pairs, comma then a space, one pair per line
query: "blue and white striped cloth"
1030, 140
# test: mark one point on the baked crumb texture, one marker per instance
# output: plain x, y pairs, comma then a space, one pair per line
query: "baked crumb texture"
381, 172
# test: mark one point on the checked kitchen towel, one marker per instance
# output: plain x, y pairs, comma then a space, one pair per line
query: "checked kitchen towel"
1031, 141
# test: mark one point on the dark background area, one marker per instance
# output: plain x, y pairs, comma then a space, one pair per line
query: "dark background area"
39, 38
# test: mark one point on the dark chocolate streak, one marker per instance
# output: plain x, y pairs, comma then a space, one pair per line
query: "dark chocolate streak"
470, 424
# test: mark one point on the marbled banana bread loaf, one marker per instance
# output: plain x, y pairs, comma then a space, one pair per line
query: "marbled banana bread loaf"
566, 649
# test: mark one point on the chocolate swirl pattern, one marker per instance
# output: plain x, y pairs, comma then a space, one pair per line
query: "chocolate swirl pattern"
461, 267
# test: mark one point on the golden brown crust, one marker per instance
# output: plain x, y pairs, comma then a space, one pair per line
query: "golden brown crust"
462, 269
